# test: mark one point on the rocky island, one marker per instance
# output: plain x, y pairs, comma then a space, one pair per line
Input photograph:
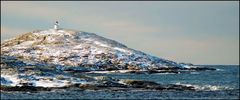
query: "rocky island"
43, 60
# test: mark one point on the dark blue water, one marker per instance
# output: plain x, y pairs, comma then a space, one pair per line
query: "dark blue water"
224, 78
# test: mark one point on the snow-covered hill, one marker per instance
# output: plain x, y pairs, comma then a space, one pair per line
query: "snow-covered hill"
64, 57
78, 49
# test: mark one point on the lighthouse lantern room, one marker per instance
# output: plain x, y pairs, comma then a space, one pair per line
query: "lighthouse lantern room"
56, 25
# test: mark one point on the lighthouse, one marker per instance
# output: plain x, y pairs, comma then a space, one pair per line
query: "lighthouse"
56, 25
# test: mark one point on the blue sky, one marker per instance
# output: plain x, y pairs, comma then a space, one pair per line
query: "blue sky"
199, 32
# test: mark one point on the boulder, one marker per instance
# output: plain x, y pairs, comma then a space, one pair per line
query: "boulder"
139, 83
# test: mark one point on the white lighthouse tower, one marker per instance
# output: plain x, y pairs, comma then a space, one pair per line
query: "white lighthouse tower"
56, 25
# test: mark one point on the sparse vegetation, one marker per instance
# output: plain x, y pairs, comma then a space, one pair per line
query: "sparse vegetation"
18, 40
47, 43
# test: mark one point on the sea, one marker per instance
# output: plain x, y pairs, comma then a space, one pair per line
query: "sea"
222, 83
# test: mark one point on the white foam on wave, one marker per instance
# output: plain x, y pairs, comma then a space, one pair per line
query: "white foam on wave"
206, 87
219, 69
12, 80
194, 72
109, 72
164, 73
40, 81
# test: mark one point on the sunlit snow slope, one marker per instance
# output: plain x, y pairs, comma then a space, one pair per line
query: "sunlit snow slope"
67, 47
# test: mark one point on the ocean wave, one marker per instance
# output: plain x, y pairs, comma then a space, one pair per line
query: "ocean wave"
219, 69
194, 72
207, 87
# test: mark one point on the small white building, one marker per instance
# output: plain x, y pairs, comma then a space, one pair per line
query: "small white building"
56, 25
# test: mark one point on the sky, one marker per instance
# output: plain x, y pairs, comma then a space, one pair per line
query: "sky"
198, 32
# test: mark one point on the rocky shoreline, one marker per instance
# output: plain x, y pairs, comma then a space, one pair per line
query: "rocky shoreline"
16, 75
79, 84
105, 83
